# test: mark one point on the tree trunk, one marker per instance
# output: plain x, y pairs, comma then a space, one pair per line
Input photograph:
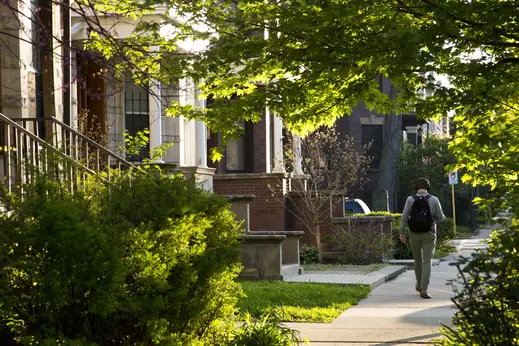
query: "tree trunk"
49, 16
388, 165
317, 232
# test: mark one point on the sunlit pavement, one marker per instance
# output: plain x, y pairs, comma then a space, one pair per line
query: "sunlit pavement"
394, 314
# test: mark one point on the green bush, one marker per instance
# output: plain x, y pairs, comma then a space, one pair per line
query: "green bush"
362, 243
486, 295
401, 250
308, 254
149, 261
265, 331
445, 230
463, 232
396, 222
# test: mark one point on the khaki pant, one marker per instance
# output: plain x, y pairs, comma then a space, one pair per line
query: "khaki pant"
423, 245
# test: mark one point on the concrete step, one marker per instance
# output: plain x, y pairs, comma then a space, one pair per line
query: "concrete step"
472, 246
466, 248
289, 270
458, 242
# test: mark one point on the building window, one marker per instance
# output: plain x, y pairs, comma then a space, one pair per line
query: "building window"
238, 157
373, 135
237, 152
137, 114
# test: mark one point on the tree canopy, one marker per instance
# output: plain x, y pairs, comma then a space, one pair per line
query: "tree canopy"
312, 61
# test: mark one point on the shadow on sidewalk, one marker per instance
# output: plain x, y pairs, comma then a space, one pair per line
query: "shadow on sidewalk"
416, 339
432, 316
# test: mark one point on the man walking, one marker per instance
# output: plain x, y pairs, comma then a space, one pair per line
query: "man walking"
421, 212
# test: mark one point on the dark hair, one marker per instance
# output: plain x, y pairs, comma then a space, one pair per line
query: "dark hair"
422, 183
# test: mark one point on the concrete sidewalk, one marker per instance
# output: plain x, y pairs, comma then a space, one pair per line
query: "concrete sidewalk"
393, 313
372, 279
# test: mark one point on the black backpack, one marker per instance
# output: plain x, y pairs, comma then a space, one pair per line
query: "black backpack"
420, 219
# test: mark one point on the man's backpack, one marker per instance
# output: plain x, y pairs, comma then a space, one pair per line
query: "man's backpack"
420, 219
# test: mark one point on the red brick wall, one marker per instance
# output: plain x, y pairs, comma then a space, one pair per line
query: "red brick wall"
266, 212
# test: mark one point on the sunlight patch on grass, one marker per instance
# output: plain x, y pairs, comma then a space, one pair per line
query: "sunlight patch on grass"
300, 301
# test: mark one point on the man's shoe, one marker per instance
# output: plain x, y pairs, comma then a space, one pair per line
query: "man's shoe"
425, 295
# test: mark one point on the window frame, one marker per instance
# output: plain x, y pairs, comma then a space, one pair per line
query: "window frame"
379, 134
137, 116
247, 151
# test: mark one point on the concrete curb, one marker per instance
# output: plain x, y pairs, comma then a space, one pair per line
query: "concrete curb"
390, 276
372, 279
409, 264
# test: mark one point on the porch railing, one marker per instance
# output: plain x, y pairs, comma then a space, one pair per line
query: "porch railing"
67, 154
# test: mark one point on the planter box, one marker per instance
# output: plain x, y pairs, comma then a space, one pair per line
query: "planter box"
265, 254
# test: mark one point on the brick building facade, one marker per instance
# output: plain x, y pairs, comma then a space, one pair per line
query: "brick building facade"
367, 126
253, 165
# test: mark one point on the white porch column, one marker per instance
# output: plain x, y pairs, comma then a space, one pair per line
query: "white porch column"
277, 133
268, 141
58, 60
446, 126
73, 91
184, 147
201, 136
188, 97
201, 144
296, 147
155, 117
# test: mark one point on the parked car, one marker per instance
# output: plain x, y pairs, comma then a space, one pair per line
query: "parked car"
355, 206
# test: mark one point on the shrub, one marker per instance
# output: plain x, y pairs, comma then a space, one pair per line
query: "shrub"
445, 230
264, 331
463, 232
362, 242
308, 254
401, 250
486, 295
395, 225
147, 262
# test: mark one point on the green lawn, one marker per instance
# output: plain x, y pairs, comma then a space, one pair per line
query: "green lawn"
300, 301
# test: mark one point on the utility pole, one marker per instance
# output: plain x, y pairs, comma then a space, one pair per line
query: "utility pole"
453, 180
